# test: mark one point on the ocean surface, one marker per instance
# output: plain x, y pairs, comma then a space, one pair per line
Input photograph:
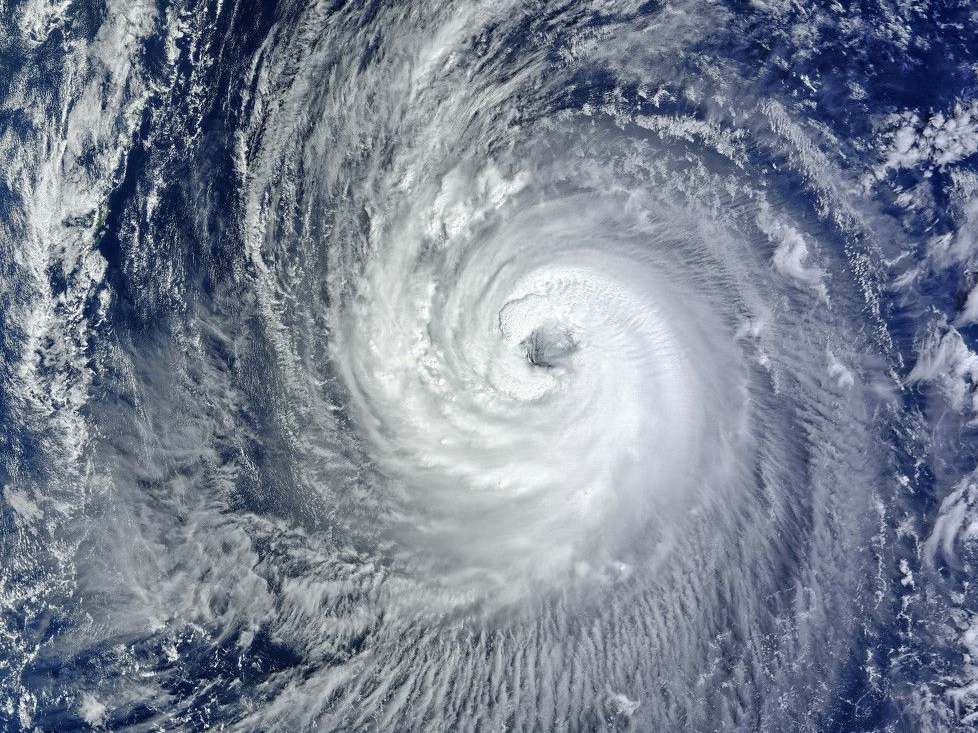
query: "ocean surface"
461, 366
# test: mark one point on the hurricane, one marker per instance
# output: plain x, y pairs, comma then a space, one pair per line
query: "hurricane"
451, 366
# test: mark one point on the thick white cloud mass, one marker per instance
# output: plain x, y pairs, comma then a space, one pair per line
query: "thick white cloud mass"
426, 366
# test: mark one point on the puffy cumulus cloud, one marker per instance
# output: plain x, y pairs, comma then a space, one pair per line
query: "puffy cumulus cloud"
838, 372
917, 141
945, 360
952, 540
791, 256
92, 710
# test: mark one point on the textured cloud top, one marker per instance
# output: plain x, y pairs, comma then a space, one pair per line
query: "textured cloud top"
472, 367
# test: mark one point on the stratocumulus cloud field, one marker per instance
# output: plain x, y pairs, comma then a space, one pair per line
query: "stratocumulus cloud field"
456, 366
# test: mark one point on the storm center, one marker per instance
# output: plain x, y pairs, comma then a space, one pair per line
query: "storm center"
548, 345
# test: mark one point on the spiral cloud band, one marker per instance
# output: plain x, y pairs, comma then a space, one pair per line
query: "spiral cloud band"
578, 366
530, 378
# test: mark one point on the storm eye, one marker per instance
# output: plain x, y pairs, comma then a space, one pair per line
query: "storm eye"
548, 345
